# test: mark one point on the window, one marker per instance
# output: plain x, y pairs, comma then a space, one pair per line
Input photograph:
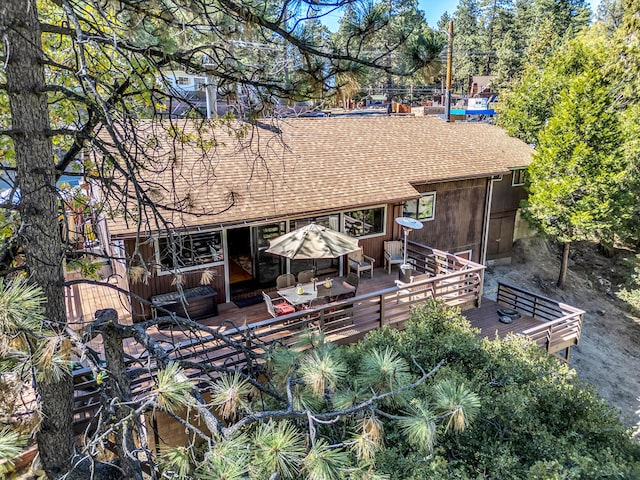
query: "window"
329, 221
518, 177
466, 254
422, 209
360, 223
190, 250
183, 81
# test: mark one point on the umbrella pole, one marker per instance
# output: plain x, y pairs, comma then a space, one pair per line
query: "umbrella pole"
314, 277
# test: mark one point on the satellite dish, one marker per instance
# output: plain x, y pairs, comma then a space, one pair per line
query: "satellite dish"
409, 223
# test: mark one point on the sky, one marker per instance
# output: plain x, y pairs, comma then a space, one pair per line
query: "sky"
434, 9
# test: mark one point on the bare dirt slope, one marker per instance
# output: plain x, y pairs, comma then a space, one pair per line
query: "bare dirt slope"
608, 356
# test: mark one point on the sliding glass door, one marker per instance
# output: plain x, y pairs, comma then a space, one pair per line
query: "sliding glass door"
267, 266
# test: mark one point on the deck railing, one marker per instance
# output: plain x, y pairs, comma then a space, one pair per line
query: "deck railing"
339, 322
562, 323
440, 275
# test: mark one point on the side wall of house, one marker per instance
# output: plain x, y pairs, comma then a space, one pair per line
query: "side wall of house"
157, 284
459, 217
505, 196
505, 203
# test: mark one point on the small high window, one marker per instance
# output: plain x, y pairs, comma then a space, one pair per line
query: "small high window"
422, 209
518, 177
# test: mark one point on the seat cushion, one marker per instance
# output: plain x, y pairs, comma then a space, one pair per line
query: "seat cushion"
361, 265
284, 309
349, 286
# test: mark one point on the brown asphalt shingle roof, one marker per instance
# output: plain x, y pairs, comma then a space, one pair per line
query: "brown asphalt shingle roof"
318, 164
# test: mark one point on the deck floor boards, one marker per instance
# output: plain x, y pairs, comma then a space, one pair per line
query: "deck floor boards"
487, 319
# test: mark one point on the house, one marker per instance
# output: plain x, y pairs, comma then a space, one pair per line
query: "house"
353, 174
480, 85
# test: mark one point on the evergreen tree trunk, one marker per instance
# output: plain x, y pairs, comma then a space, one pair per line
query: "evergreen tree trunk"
562, 278
40, 237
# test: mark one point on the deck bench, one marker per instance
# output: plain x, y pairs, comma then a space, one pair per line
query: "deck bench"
199, 302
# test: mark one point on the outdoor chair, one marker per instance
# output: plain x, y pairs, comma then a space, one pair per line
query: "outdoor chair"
305, 276
351, 282
359, 262
393, 254
277, 308
317, 302
417, 286
285, 280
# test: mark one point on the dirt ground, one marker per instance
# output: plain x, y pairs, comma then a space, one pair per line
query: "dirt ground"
608, 356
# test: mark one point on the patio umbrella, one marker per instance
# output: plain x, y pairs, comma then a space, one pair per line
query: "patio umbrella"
312, 242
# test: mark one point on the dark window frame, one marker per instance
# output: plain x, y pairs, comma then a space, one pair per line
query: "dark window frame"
416, 212
356, 227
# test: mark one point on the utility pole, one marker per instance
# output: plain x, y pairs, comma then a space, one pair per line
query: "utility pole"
447, 93
211, 92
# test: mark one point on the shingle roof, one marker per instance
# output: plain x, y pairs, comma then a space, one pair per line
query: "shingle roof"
306, 165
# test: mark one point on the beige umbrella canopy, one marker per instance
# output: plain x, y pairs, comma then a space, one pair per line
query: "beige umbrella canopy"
312, 242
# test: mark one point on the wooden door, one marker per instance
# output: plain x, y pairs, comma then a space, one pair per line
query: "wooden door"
500, 236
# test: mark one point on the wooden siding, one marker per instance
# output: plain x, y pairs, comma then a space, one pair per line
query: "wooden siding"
158, 284
505, 202
374, 246
459, 216
506, 198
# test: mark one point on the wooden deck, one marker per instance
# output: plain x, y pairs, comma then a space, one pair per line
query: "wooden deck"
249, 332
553, 325
487, 319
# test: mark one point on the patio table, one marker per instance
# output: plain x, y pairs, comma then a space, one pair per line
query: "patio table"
296, 299
309, 292
336, 289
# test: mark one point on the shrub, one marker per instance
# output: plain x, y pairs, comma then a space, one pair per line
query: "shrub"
536, 420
